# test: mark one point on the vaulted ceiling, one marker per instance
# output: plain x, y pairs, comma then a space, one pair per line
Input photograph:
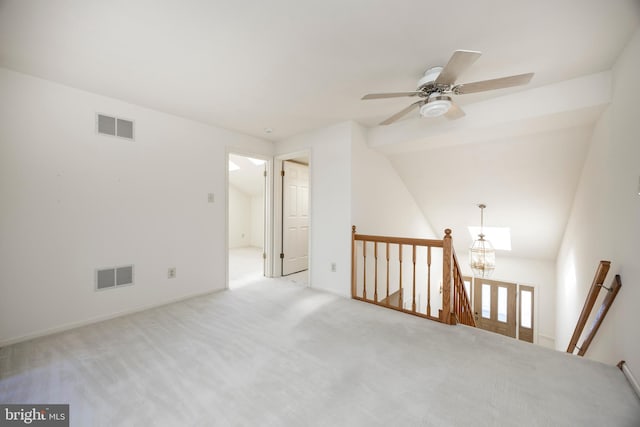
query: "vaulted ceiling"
294, 66
248, 177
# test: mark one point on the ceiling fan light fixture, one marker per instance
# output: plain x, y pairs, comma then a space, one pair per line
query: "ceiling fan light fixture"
436, 105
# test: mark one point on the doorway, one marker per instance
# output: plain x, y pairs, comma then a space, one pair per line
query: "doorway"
295, 217
502, 307
247, 219
495, 306
292, 217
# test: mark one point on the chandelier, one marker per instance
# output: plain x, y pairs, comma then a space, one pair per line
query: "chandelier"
482, 256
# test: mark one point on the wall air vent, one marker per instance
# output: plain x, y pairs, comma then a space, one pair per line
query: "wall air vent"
114, 126
113, 277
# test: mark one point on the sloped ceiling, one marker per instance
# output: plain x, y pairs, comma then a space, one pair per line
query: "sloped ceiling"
527, 183
298, 65
520, 154
249, 177
294, 66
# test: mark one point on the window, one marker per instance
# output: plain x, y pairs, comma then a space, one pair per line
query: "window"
502, 304
526, 304
486, 301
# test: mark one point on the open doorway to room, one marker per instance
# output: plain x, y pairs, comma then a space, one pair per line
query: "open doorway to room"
292, 219
247, 219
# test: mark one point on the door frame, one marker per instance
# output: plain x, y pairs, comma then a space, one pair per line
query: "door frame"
277, 209
536, 305
513, 296
268, 211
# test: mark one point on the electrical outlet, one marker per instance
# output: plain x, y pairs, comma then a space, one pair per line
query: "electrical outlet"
333, 267
172, 273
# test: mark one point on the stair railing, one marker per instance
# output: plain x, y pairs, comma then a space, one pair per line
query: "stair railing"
461, 300
596, 286
372, 254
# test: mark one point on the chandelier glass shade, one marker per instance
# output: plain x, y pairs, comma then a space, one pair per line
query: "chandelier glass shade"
482, 256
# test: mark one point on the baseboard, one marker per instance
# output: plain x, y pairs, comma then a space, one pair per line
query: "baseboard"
624, 367
546, 341
73, 325
334, 292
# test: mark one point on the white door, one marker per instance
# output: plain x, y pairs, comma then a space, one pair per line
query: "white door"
295, 217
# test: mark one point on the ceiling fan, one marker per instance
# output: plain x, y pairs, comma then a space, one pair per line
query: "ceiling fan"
438, 84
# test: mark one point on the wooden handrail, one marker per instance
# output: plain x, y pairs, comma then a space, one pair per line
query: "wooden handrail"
456, 307
399, 240
613, 290
598, 280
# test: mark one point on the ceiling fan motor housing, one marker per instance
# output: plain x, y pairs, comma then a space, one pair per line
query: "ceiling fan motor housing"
429, 77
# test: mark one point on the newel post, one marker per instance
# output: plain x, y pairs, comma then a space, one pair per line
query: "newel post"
353, 261
447, 278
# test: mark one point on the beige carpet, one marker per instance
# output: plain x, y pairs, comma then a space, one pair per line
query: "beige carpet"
245, 266
276, 353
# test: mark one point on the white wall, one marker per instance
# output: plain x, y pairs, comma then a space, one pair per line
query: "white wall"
330, 202
239, 218
72, 201
257, 221
380, 202
531, 272
350, 184
382, 205
605, 223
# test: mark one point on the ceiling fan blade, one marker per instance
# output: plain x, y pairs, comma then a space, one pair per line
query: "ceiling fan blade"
458, 63
481, 86
390, 95
401, 113
454, 112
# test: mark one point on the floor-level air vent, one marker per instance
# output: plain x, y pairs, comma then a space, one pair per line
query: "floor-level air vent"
108, 278
114, 126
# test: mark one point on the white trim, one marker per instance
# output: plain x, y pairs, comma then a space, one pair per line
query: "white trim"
549, 338
268, 245
73, 325
624, 367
